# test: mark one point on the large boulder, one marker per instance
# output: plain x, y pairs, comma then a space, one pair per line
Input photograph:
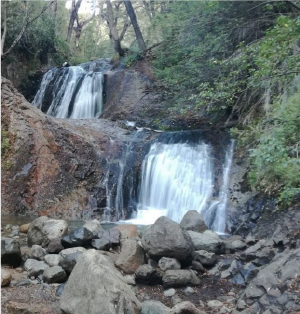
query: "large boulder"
93, 226
193, 221
96, 285
165, 238
43, 229
205, 258
10, 252
131, 257
207, 242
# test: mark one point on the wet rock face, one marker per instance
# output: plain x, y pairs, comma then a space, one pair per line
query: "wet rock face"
60, 167
129, 94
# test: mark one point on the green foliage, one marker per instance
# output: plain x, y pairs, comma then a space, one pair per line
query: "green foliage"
275, 158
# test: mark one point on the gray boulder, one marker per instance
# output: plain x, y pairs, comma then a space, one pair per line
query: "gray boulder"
93, 226
66, 252
154, 307
193, 221
146, 274
37, 252
131, 257
232, 245
113, 236
205, 258
53, 259
69, 261
167, 263
43, 229
165, 238
101, 244
96, 285
179, 278
34, 267
207, 242
54, 274
55, 246
78, 237
10, 252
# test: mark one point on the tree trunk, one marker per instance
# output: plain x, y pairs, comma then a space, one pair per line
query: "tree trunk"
113, 30
4, 26
73, 16
135, 25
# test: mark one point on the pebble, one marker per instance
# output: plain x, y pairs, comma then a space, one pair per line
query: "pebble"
169, 293
214, 304
188, 291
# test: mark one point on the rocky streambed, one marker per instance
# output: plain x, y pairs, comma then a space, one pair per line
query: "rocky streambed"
164, 268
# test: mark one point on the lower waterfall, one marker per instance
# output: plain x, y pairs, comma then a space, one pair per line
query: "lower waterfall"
74, 92
179, 177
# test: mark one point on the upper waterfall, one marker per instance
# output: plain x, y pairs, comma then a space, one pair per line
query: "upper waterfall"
74, 92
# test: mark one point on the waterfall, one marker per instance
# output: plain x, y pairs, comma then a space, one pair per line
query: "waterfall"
74, 92
215, 216
180, 177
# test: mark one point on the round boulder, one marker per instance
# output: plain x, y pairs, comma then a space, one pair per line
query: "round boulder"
167, 263
193, 221
43, 229
165, 238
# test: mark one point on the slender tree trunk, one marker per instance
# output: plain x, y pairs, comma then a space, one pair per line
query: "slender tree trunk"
113, 30
4, 26
73, 16
135, 25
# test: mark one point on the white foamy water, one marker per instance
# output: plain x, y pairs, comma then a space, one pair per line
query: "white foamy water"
177, 178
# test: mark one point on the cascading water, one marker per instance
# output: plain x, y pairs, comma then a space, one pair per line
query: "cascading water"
179, 177
74, 92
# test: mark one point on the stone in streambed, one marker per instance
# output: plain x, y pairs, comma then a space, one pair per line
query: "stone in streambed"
54, 274
24, 228
146, 274
193, 221
37, 252
131, 257
5, 277
79, 237
10, 252
185, 307
93, 226
96, 285
101, 244
66, 252
69, 261
34, 267
166, 263
169, 293
179, 278
165, 238
154, 307
208, 242
127, 231
53, 259
205, 258
55, 246
43, 229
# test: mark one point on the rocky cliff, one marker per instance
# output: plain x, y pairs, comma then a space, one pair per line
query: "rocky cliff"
61, 167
